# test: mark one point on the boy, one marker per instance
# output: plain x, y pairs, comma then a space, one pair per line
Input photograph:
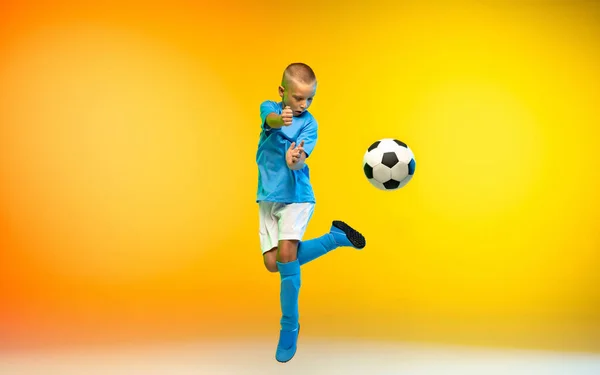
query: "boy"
285, 196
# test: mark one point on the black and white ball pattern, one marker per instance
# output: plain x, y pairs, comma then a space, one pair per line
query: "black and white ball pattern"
389, 164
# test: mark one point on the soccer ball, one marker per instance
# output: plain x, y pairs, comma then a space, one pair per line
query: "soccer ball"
389, 164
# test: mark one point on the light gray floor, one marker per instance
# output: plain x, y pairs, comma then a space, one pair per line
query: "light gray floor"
313, 358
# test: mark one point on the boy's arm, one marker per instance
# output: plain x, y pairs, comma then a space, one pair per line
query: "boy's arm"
276, 121
271, 117
297, 154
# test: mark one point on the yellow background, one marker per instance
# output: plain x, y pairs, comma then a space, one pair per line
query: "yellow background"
127, 174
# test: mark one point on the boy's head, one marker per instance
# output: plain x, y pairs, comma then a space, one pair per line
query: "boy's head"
298, 87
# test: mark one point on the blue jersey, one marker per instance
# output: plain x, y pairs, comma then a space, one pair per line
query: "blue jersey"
276, 181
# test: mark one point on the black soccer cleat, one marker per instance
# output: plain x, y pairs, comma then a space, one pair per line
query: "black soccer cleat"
345, 235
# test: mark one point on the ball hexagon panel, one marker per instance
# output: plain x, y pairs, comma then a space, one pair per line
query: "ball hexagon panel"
382, 173
399, 171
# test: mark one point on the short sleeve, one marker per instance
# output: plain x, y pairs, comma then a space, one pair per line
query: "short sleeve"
266, 108
308, 134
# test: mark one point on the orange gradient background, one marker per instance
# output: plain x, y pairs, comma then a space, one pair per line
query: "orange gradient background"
128, 132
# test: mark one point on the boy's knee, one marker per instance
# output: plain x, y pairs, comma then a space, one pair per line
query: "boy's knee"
288, 251
270, 259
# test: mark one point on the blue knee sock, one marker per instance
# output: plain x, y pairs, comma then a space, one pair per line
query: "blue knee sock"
290, 289
312, 249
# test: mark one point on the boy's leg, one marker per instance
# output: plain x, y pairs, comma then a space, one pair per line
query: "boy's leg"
340, 234
289, 270
292, 219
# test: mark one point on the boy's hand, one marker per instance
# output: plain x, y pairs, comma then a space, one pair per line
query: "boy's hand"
286, 116
295, 156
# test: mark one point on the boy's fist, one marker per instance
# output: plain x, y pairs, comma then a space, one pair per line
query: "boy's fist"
286, 116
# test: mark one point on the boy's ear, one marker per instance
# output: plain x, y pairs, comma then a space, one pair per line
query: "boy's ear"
281, 91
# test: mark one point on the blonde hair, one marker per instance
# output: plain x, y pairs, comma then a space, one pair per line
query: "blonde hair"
300, 72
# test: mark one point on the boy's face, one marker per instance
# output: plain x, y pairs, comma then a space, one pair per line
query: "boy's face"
298, 95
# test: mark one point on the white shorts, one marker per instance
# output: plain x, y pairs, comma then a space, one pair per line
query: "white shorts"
280, 221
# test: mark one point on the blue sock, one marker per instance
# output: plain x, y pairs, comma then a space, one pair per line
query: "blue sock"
290, 289
312, 249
